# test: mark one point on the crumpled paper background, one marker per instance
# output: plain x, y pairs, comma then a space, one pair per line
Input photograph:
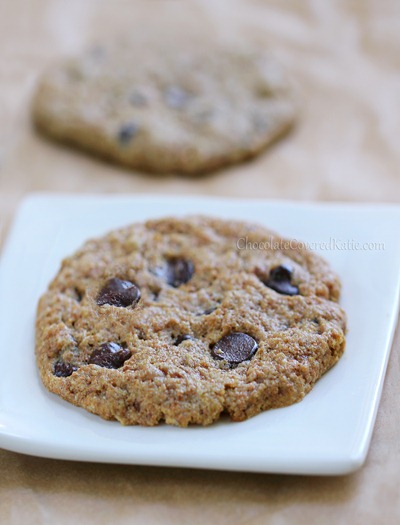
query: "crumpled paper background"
345, 59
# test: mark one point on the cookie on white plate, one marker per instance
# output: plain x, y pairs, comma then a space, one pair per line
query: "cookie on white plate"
183, 320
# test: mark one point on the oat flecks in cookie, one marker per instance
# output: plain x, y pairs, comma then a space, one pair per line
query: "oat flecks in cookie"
219, 330
166, 108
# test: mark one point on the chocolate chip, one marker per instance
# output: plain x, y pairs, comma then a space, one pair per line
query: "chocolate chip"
263, 91
109, 355
178, 271
118, 293
280, 280
62, 369
127, 132
141, 335
182, 338
208, 311
155, 296
235, 348
176, 97
78, 295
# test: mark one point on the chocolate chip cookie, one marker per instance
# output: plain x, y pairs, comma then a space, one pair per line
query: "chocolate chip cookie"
182, 320
166, 108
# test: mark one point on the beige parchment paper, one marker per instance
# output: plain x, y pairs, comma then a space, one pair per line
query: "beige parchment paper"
345, 58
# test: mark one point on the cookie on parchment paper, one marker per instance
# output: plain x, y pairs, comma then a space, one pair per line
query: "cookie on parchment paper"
166, 109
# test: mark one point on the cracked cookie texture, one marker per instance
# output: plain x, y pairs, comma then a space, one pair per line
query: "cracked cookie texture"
183, 320
166, 108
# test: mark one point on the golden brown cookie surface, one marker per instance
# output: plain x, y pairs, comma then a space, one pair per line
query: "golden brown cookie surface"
166, 109
175, 320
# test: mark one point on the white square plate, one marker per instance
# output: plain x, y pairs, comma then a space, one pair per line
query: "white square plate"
326, 433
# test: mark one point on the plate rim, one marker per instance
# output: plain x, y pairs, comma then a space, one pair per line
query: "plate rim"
349, 464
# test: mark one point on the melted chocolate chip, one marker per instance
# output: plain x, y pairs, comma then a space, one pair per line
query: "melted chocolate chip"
176, 97
118, 293
263, 91
109, 355
78, 295
280, 280
178, 271
127, 132
208, 311
235, 348
62, 369
181, 338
